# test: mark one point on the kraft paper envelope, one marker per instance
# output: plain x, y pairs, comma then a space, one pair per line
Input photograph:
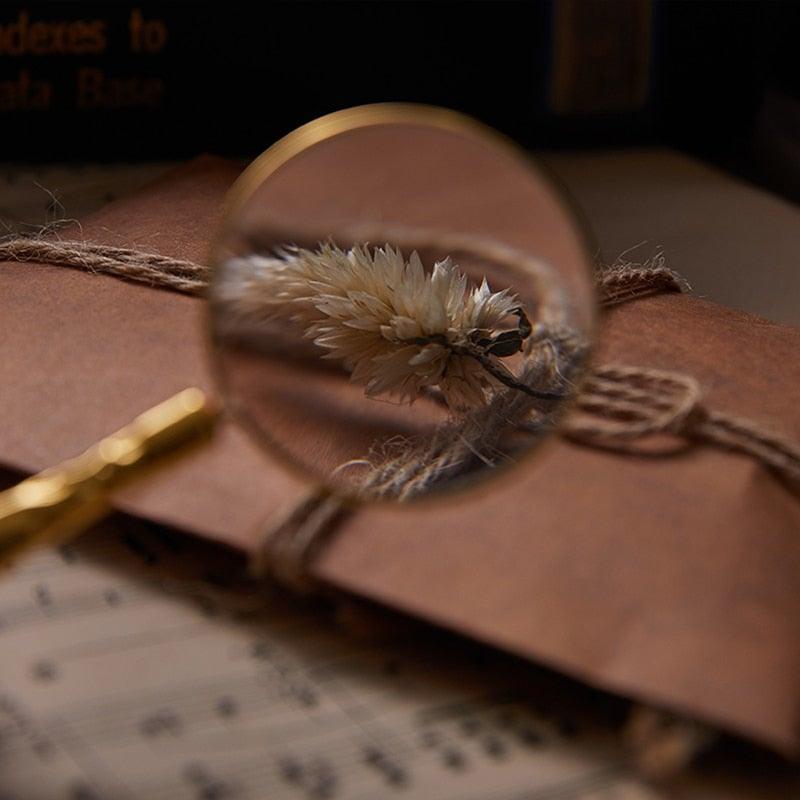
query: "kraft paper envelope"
672, 579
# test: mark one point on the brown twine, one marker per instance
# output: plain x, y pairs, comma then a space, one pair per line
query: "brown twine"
625, 281
615, 284
132, 265
618, 404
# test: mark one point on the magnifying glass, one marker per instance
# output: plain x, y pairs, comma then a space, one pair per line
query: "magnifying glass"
401, 302
401, 306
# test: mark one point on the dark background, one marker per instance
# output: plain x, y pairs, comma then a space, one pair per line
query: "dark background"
718, 79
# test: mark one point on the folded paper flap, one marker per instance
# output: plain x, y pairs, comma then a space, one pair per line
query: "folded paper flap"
669, 578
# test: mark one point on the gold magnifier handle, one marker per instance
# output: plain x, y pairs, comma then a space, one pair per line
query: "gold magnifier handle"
60, 503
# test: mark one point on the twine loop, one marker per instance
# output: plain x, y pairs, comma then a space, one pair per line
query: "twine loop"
623, 403
620, 405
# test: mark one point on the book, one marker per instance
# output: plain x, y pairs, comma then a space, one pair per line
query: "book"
127, 80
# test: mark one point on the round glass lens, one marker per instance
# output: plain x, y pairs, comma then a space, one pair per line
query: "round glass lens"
401, 302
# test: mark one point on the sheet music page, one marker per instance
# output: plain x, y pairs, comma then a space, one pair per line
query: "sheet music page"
133, 668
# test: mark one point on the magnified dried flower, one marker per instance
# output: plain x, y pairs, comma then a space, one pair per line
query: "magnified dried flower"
396, 328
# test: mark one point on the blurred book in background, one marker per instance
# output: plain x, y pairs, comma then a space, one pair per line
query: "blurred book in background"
94, 81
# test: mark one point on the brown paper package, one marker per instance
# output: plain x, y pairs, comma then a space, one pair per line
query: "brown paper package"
669, 579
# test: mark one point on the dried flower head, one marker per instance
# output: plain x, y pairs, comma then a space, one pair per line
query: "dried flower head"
396, 328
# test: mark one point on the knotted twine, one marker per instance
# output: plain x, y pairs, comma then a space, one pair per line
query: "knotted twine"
617, 406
